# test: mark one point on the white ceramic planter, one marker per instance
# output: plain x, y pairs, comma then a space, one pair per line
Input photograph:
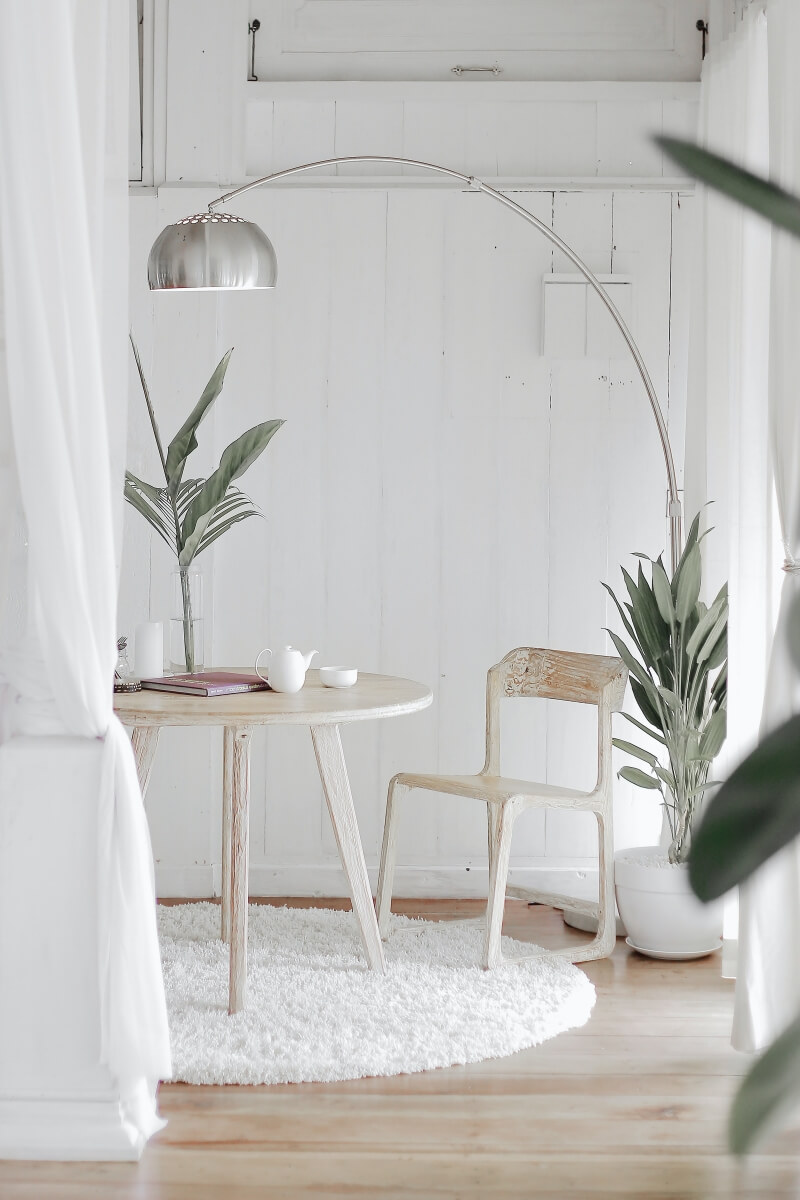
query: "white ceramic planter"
662, 915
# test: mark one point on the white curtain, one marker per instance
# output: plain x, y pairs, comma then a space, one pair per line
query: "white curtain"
768, 982
727, 437
65, 318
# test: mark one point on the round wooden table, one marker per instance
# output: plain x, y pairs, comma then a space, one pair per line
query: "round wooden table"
323, 710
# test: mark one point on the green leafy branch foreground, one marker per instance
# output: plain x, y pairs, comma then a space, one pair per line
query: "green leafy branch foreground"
190, 514
680, 642
756, 812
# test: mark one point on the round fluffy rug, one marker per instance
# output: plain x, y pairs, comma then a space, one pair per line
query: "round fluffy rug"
315, 1012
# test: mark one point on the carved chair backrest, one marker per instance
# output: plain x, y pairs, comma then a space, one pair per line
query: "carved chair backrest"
555, 675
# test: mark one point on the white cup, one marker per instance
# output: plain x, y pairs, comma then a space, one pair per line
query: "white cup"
149, 650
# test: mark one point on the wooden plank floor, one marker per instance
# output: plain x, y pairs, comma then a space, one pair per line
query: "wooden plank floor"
633, 1104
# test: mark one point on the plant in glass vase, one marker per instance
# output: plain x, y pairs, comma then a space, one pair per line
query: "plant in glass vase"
190, 514
677, 659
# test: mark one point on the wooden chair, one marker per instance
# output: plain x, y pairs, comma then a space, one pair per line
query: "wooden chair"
551, 675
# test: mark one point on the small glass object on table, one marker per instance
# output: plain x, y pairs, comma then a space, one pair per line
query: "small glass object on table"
124, 681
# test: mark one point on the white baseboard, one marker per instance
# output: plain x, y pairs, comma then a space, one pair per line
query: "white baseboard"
448, 882
68, 1129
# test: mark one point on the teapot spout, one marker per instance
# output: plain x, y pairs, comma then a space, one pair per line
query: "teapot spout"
308, 657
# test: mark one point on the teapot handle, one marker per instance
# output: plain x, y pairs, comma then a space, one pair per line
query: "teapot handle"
266, 650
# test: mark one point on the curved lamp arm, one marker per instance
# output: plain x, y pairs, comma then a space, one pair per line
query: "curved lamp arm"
478, 185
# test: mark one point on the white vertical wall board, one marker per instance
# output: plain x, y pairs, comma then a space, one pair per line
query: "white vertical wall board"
680, 119
436, 133
258, 137
369, 129
642, 247
353, 473
303, 132
493, 489
625, 135
581, 459
566, 139
685, 235
241, 559
478, 290
206, 64
411, 453
299, 224
583, 220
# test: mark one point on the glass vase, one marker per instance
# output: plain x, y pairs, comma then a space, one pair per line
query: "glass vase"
186, 623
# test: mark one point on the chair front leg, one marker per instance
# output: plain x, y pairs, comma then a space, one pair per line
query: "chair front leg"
501, 824
606, 938
383, 896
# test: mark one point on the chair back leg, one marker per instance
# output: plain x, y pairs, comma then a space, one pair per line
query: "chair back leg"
383, 895
501, 824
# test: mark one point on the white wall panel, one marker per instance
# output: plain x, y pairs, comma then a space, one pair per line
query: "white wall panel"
394, 39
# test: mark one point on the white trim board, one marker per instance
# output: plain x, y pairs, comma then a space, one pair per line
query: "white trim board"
451, 882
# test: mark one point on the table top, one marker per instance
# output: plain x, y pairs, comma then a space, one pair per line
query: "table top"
370, 698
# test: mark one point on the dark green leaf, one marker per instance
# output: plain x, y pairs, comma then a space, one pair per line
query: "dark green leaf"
663, 593
753, 815
704, 627
635, 667
753, 191
768, 1091
691, 541
717, 637
185, 440
648, 710
653, 632
689, 577
625, 621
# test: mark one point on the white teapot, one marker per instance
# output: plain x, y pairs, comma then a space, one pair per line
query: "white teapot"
287, 668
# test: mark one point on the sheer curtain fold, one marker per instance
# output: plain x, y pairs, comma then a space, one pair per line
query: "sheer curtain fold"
768, 983
727, 436
55, 77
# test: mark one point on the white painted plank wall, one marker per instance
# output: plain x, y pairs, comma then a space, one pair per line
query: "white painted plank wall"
514, 130
439, 494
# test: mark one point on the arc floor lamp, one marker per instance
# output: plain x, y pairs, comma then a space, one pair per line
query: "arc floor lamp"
219, 251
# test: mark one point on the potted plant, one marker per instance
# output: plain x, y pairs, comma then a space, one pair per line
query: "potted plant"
190, 514
676, 654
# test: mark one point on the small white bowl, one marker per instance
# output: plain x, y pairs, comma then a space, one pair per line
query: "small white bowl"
338, 676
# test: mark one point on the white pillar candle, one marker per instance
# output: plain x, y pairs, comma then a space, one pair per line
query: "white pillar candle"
149, 650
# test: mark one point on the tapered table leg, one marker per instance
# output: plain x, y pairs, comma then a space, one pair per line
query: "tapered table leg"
240, 805
333, 773
144, 740
228, 737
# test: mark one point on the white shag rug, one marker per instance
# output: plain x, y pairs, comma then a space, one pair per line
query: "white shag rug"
316, 1013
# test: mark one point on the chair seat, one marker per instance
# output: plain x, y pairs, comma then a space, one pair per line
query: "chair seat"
494, 787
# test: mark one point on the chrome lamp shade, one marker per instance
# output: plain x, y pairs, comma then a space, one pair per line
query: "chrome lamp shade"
212, 251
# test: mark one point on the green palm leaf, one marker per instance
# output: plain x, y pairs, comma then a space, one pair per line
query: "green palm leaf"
149, 508
235, 460
185, 440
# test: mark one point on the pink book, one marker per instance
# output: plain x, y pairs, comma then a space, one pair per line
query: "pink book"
208, 683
